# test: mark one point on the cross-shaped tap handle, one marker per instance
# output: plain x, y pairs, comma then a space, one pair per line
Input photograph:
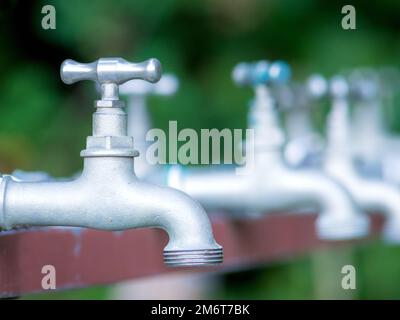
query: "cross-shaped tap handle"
110, 73
110, 70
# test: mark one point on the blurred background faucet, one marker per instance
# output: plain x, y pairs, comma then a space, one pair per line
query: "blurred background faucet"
304, 144
271, 185
376, 149
368, 132
371, 194
139, 122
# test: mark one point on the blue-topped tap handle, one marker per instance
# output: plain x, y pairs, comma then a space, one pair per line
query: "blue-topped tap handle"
261, 72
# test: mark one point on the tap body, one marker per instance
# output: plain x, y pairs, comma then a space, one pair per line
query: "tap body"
272, 185
374, 146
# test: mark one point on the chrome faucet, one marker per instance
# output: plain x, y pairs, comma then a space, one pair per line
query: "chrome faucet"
368, 132
376, 149
304, 145
271, 185
370, 194
107, 195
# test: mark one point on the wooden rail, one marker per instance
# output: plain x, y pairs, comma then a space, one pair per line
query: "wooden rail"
84, 257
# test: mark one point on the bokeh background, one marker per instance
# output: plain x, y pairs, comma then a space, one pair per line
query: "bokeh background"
43, 122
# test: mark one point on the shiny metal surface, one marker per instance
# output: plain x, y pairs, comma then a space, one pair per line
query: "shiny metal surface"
107, 195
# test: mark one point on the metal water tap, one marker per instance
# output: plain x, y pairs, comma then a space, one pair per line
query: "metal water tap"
139, 122
272, 186
107, 195
370, 194
368, 132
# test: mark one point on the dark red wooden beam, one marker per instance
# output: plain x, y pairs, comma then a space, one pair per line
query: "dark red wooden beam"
84, 257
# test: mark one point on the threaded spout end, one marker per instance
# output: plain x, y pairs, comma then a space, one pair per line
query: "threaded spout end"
185, 258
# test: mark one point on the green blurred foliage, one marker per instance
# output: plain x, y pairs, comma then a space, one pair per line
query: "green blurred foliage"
43, 123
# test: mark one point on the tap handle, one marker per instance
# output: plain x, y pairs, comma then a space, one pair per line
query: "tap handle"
261, 72
279, 72
110, 71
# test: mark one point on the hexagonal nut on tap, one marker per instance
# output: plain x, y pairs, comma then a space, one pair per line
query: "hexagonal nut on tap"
97, 146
